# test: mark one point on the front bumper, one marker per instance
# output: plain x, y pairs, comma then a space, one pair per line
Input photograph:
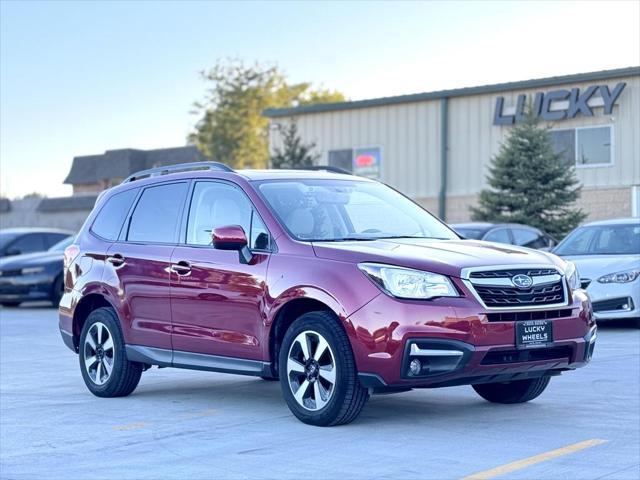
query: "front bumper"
24, 288
613, 301
459, 345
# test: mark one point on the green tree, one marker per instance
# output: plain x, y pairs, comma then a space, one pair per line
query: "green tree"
293, 153
231, 127
530, 184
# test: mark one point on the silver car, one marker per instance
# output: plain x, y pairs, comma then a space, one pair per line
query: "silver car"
607, 255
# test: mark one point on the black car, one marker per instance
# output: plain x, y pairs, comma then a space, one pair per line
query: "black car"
511, 233
18, 241
34, 276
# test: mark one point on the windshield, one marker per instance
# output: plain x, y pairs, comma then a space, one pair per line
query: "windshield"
61, 245
337, 210
470, 233
602, 240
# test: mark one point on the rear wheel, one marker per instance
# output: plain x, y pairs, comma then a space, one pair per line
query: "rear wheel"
518, 391
318, 375
103, 361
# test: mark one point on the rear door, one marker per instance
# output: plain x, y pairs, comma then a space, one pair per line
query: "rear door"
217, 302
139, 263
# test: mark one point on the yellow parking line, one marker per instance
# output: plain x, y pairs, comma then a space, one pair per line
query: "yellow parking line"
527, 462
130, 426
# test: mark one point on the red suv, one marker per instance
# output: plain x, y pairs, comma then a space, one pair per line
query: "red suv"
337, 285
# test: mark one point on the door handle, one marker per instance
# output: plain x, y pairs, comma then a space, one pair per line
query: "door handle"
181, 268
116, 260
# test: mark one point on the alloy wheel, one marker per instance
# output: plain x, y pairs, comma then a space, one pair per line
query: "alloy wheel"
98, 353
311, 370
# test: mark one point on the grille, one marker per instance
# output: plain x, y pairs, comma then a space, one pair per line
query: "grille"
502, 296
534, 355
532, 272
532, 315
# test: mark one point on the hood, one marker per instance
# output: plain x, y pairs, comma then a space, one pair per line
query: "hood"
447, 257
30, 260
595, 266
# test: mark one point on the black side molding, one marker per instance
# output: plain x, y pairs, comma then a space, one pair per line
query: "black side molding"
197, 361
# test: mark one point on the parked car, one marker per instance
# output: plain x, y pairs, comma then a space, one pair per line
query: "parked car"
18, 241
337, 285
511, 233
33, 276
607, 255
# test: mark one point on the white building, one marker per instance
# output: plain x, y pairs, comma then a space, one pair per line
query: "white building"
436, 146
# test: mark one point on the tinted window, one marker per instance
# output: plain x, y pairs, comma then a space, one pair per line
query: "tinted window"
470, 233
157, 213
528, 238
216, 205
109, 221
33, 242
501, 236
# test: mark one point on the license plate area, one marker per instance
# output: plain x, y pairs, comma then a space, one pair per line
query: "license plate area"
534, 334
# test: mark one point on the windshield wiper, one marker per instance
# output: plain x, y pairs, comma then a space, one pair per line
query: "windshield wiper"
343, 239
411, 236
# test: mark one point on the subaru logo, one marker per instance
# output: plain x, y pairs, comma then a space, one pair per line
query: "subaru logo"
522, 281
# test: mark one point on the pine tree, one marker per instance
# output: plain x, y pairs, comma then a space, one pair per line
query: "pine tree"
529, 184
293, 153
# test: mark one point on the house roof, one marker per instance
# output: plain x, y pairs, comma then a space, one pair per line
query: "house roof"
59, 204
123, 162
458, 92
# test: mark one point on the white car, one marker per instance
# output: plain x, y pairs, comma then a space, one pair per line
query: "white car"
607, 255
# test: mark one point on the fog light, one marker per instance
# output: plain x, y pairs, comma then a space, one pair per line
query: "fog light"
415, 367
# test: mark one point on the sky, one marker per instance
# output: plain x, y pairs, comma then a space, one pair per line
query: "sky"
78, 78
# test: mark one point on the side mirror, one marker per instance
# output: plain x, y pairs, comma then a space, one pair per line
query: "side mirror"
232, 237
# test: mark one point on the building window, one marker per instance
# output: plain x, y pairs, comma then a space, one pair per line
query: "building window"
364, 161
584, 146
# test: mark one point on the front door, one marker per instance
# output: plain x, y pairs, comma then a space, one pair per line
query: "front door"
217, 301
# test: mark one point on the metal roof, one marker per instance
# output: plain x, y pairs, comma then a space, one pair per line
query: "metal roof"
458, 92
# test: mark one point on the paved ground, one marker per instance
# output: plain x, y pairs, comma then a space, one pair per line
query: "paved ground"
181, 424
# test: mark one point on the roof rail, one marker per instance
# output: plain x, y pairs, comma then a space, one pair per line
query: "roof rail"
179, 167
328, 168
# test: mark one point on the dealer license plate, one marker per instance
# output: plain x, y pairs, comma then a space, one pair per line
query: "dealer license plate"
534, 333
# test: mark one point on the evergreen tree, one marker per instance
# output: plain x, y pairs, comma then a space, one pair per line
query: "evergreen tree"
293, 153
530, 184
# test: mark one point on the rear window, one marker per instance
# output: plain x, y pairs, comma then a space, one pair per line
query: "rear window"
111, 217
156, 216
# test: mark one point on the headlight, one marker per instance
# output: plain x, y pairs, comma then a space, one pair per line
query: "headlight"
31, 270
572, 275
408, 283
620, 277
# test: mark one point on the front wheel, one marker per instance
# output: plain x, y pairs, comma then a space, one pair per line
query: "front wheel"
103, 361
518, 391
317, 372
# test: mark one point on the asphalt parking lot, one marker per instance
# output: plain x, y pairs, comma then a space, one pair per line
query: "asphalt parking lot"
184, 424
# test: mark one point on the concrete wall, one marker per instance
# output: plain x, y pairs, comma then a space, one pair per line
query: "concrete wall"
24, 213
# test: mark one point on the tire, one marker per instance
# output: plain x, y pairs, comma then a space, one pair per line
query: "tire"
57, 290
518, 391
102, 329
10, 304
320, 402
